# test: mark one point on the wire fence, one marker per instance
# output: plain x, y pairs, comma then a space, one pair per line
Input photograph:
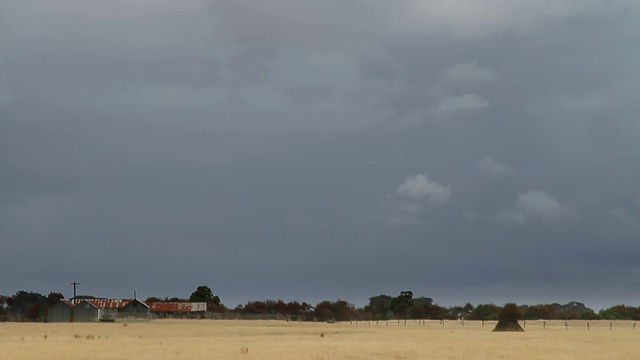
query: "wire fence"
535, 325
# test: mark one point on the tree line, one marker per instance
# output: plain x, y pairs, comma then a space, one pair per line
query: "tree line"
32, 306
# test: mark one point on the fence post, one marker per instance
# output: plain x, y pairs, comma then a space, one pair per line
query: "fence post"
544, 325
610, 325
482, 323
566, 326
587, 326
525, 324
634, 326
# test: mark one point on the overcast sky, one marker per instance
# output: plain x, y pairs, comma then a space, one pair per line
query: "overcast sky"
468, 150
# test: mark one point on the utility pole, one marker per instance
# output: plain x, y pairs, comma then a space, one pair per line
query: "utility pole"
75, 284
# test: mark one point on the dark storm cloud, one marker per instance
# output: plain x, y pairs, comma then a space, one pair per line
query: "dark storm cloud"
468, 150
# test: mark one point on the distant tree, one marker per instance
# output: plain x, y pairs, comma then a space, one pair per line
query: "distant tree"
467, 309
422, 301
53, 298
588, 314
153, 299
204, 294
540, 311
402, 304
273, 307
380, 306
4, 308
336, 310
455, 313
620, 312
510, 312
28, 306
484, 312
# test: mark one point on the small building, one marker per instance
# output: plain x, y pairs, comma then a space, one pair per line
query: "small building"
135, 309
178, 310
110, 309
85, 311
62, 311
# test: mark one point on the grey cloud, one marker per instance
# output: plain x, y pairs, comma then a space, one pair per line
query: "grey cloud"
467, 73
624, 217
537, 204
461, 103
473, 19
491, 167
420, 186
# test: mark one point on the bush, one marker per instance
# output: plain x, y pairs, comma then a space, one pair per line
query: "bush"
510, 313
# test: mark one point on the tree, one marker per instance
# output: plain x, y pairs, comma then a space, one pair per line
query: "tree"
53, 298
335, 310
4, 310
484, 312
28, 306
380, 306
401, 304
204, 294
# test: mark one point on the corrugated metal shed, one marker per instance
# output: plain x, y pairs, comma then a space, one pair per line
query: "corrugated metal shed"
60, 312
84, 311
177, 306
135, 309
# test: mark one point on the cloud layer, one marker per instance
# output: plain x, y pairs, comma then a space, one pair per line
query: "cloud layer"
260, 148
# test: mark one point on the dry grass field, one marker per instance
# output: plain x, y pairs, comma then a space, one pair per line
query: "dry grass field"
230, 339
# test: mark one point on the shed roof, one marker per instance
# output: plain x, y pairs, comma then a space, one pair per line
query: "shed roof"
139, 302
105, 303
66, 302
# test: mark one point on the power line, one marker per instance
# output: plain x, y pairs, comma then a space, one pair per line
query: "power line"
75, 284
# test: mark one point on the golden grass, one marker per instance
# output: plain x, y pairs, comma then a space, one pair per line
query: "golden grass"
232, 339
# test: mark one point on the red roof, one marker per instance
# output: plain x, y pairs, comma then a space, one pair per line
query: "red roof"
105, 303
160, 306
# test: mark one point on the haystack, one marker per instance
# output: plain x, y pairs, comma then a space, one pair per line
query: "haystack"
508, 318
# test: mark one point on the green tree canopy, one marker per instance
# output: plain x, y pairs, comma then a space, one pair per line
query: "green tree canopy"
204, 294
401, 304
